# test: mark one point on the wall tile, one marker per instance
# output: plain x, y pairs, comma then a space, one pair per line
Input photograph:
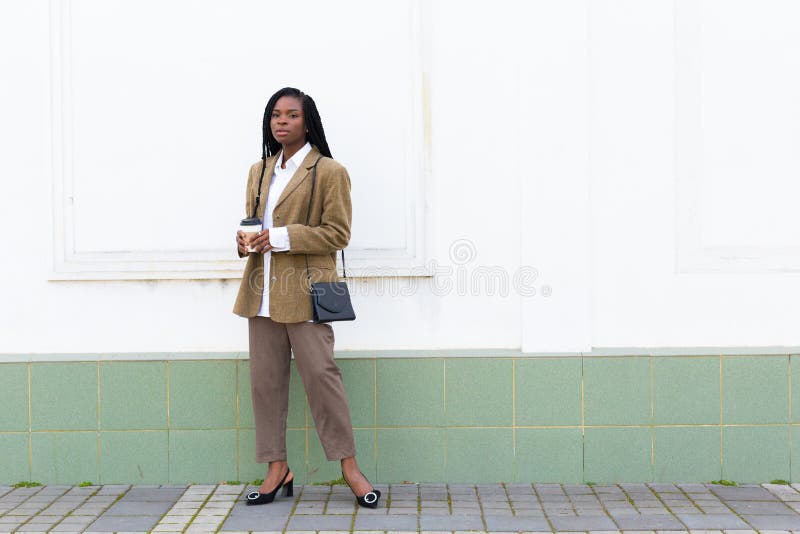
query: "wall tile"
548, 391
64, 457
687, 453
64, 396
134, 457
412, 454
320, 469
359, 382
297, 398
549, 455
133, 395
795, 454
617, 390
14, 465
250, 470
478, 391
795, 365
617, 455
686, 390
479, 455
755, 454
202, 394
202, 456
366, 455
13, 397
755, 389
410, 392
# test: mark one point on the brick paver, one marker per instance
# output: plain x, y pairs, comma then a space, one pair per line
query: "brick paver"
527, 508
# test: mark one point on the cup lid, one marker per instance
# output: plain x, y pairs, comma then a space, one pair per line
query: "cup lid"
251, 221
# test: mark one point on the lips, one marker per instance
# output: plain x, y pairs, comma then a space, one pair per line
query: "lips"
281, 132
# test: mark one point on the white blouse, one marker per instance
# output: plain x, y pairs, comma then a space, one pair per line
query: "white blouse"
278, 235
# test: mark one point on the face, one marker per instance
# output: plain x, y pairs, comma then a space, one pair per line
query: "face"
287, 122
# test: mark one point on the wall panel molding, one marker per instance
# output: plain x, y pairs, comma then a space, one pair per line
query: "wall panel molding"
695, 192
72, 263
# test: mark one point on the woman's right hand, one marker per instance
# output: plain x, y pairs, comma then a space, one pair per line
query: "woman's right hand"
242, 243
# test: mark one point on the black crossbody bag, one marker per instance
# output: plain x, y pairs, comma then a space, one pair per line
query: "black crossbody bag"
330, 301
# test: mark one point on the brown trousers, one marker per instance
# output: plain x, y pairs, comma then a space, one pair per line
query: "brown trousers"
271, 346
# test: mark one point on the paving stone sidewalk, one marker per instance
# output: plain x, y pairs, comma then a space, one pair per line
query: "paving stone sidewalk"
655, 508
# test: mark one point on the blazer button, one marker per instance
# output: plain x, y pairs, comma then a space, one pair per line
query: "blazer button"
277, 216
274, 279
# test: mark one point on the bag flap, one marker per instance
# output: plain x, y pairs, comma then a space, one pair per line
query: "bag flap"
332, 296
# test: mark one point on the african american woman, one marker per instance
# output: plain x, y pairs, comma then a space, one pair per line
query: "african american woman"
274, 294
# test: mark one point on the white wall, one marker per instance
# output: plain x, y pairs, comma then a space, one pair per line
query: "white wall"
632, 163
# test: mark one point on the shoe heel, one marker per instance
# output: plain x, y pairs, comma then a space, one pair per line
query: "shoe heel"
288, 489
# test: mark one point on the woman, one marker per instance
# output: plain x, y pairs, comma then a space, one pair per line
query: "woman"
274, 294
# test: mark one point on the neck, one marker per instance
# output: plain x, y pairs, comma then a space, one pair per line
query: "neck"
289, 151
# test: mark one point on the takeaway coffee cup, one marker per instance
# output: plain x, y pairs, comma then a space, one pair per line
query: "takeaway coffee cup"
251, 225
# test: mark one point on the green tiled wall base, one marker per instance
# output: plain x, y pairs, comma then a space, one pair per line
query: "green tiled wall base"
450, 419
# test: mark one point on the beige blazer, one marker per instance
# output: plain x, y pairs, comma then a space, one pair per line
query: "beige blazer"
327, 233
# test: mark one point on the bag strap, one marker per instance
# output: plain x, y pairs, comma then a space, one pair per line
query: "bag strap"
308, 217
258, 191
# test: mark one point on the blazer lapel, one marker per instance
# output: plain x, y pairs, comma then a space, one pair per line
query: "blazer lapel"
300, 174
268, 171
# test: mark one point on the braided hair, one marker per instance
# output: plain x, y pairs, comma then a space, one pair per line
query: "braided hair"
270, 146
316, 134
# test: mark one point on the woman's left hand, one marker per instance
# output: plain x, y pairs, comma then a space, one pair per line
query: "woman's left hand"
261, 242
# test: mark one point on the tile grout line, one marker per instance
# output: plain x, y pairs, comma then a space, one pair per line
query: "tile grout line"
569, 498
419, 508
514, 409
30, 428
444, 406
665, 505
480, 505
375, 415
165, 514
724, 502
604, 508
236, 422
790, 416
238, 495
307, 462
508, 497
544, 511
169, 422
652, 422
29, 518
194, 516
294, 507
688, 496
433, 427
721, 437
105, 509
583, 426
99, 425
327, 500
69, 514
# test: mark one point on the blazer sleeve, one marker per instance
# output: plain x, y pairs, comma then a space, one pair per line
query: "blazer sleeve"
333, 233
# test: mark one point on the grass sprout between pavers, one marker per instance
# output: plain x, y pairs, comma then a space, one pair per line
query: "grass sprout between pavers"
26, 484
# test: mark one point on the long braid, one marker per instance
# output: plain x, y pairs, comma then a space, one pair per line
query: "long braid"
316, 133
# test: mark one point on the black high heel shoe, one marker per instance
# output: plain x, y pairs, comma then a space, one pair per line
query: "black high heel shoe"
255, 497
369, 499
